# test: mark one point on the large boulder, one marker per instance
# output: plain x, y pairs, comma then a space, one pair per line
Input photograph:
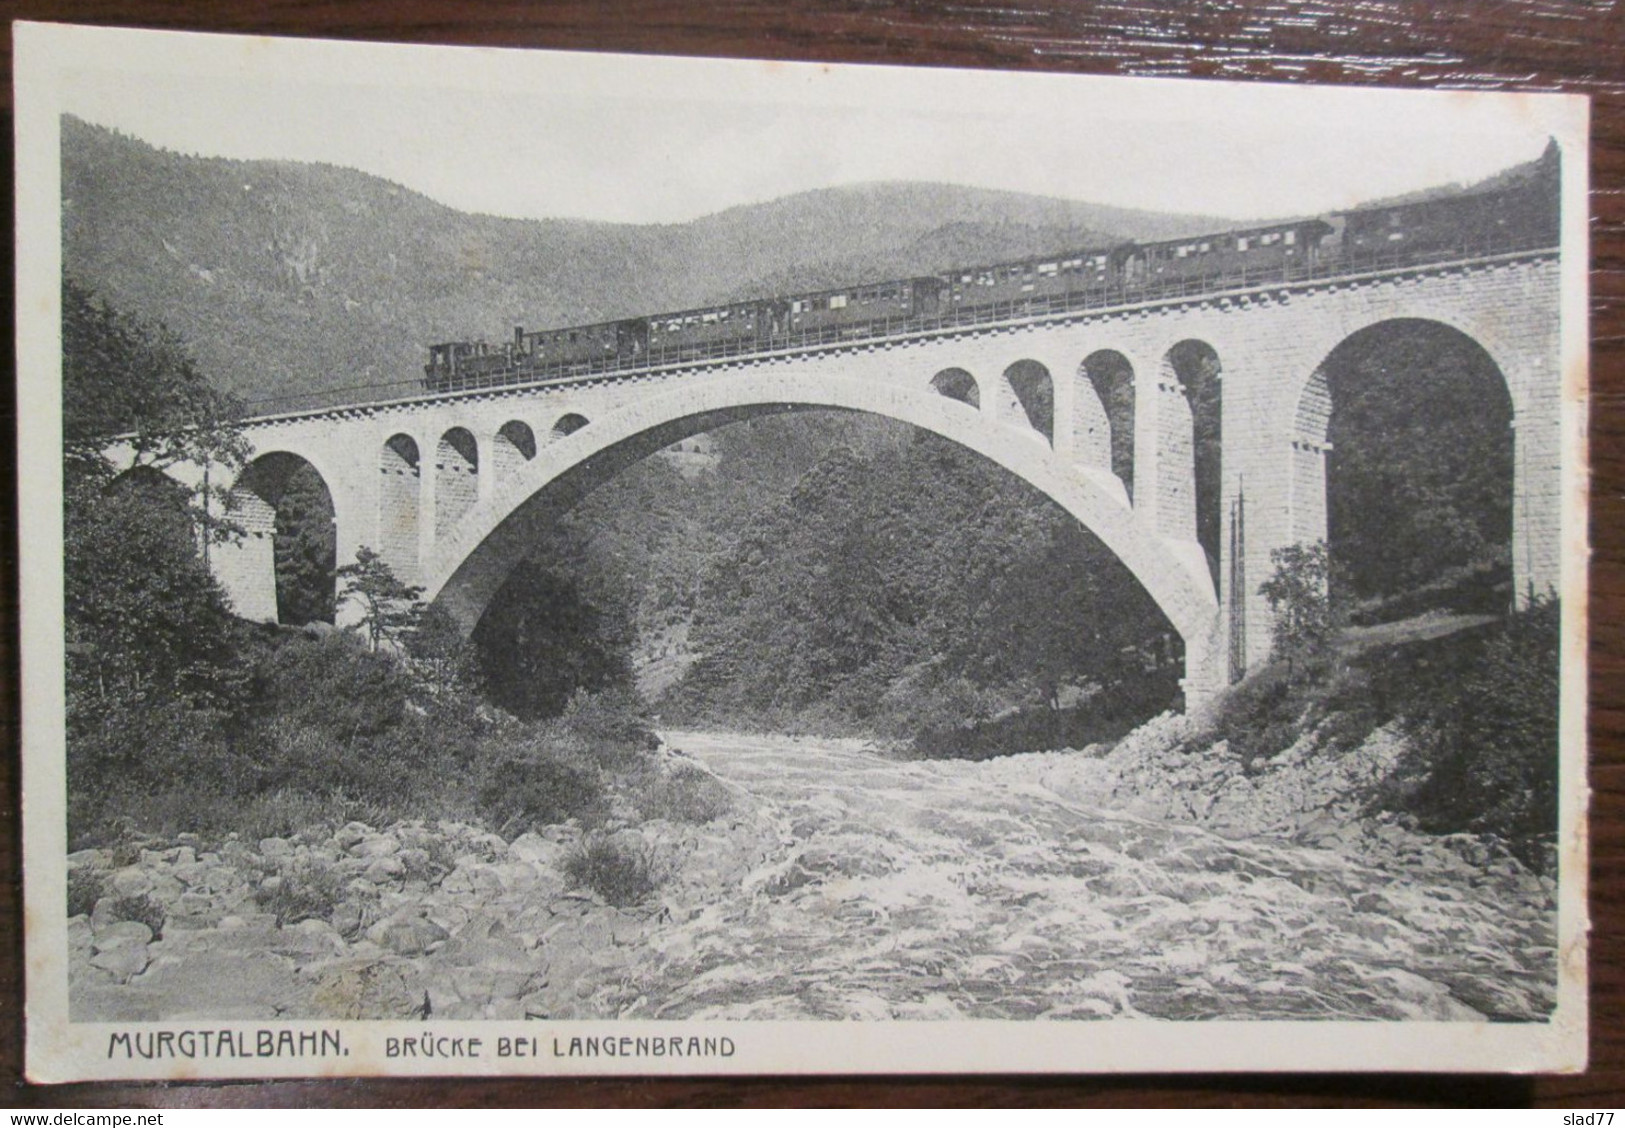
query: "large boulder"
407, 933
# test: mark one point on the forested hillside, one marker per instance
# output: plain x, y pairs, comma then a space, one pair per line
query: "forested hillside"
904, 586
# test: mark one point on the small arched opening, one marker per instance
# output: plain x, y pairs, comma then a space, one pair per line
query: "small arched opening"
957, 384
1108, 378
1194, 464
568, 425
1034, 393
513, 446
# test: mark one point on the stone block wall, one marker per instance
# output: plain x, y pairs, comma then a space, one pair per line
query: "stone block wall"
399, 490
456, 487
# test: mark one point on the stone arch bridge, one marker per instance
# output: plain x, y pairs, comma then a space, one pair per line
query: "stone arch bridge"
448, 488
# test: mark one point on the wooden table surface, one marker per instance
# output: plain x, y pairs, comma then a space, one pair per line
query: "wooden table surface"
1568, 45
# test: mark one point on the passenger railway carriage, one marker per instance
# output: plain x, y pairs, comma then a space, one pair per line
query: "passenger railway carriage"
1521, 214
1283, 250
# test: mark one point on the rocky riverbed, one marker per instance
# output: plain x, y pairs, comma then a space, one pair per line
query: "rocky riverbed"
839, 884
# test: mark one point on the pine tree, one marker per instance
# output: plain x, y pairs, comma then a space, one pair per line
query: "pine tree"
389, 606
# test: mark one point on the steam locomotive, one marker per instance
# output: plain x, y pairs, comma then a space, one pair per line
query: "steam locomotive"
1520, 214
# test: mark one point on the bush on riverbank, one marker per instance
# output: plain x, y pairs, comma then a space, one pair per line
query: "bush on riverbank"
1483, 742
684, 793
621, 873
1477, 708
532, 782
319, 732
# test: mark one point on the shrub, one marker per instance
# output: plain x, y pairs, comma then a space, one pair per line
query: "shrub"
537, 785
1484, 745
287, 811
687, 793
336, 721
622, 875
430, 861
303, 892
613, 724
124, 750
1260, 717
1299, 595
332, 692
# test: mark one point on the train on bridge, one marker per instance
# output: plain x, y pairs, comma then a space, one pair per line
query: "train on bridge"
1518, 214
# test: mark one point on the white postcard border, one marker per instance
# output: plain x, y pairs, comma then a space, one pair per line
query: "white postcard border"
48, 56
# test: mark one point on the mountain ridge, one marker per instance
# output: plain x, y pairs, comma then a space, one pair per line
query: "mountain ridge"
288, 277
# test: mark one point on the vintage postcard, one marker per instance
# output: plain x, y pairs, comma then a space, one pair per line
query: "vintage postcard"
569, 564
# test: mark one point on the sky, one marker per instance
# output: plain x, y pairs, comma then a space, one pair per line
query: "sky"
626, 139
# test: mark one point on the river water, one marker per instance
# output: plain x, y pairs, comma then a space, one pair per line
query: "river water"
884, 889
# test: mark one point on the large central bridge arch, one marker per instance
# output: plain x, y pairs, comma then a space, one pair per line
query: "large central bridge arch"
471, 563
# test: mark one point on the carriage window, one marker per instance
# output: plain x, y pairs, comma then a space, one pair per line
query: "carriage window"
1241, 244
837, 301
1291, 238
